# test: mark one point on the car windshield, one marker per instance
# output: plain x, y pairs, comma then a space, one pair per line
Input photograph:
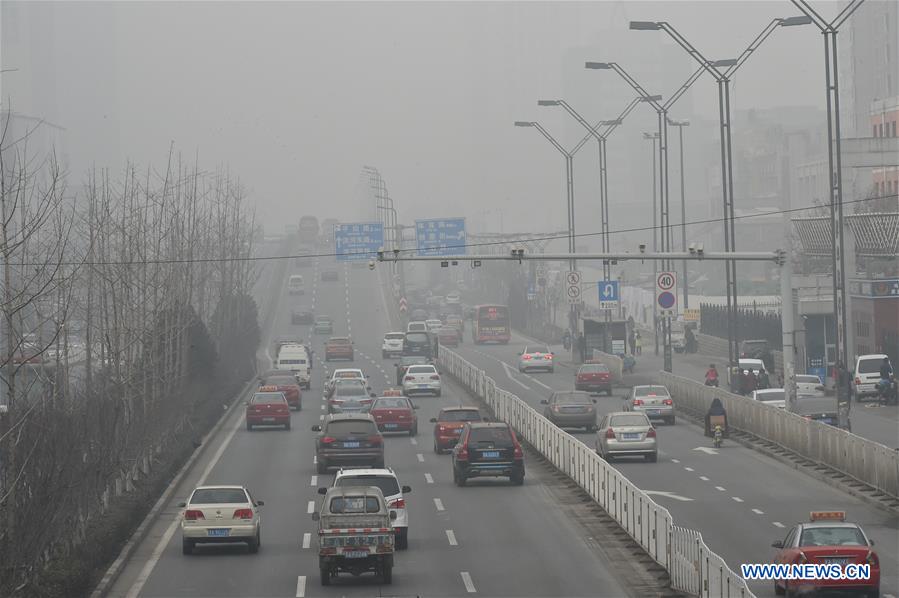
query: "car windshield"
417, 337
339, 341
628, 419
347, 374
647, 391
869, 366
468, 415
217, 496
421, 369
392, 403
572, 398
346, 427
493, 436
387, 484
771, 395
355, 504
261, 398
393, 336
594, 368
537, 349
832, 536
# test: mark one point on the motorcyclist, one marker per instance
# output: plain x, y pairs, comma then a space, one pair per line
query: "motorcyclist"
711, 376
715, 409
885, 384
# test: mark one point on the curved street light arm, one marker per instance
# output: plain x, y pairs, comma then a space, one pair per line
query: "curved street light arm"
551, 139
627, 110
697, 56
647, 97
683, 88
766, 32
592, 130
845, 13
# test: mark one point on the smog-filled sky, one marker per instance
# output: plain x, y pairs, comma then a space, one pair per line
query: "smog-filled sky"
296, 97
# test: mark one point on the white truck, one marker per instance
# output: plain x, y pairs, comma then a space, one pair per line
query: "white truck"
355, 533
294, 358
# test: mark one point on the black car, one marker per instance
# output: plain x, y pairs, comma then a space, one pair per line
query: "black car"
348, 439
418, 343
301, 315
488, 449
404, 363
329, 275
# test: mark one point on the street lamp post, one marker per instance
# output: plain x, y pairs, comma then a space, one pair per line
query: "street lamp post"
680, 124
714, 68
655, 235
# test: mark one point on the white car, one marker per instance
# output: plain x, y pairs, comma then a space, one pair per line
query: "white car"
220, 514
776, 397
807, 384
344, 373
416, 327
453, 298
385, 480
392, 344
867, 375
421, 379
433, 325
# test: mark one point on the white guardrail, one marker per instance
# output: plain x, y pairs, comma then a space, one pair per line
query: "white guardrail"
865, 460
692, 567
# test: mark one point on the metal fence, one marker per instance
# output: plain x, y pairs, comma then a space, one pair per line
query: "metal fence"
692, 567
865, 460
756, 322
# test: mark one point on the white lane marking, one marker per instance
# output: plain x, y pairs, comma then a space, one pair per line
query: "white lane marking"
758, 512
720, 489
310, 507
671, 495
703, 478
420, 457
675, 460
301, 586
469, 585
688, 468
321, 417
451, 537
147, 570
314, 459
314, 481
413, 441
428, 478
307, 540
535, 381
323, 407
513, 378
707, 450
777, 524
439, 504
737, 498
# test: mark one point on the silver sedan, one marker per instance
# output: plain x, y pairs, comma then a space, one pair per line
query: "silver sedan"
535, 358
654, 401
627, 434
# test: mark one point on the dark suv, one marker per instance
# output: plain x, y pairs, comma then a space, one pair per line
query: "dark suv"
418, 344
488, 450
348, 439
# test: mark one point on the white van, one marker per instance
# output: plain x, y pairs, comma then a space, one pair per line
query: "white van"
295, 284
867, 374
295, 359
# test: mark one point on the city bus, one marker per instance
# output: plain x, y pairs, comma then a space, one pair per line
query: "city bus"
308, 230
491, 324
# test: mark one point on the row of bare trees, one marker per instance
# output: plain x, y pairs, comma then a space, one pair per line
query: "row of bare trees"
125, 308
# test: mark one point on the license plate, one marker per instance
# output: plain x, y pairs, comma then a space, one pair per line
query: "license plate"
350, 445
218, 533
490, 454
630, 436
390, 425
422, 386
355, 554
268, 420
836, 561
652, 412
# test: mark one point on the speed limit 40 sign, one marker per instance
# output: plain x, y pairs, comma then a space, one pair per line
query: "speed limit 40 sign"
666, 293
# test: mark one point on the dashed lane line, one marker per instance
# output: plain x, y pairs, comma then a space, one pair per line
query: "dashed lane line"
310, 507
420, 457
439, 504
720, 489
429, 479
737, 499
413, 441
777, 524
301, 586
314, 481
688, 468
758, 512
307, 540
703, 478
675, 460
469, 585
451, 537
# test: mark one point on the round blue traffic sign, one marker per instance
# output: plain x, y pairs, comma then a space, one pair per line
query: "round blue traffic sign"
666, 300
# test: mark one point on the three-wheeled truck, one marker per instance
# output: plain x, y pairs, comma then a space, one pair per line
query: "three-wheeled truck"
355, 534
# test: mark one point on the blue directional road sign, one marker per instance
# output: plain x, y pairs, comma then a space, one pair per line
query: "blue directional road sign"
358, 240
440, 236
608, 294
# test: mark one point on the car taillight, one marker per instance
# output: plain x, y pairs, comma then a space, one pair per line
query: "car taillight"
441, 428
191, 515
375, 440
668, 402
462, 455
547, 357
243, 514
518, 452
858, 380
435, 377
610, 433
525, 357
408, 379
638, 401
328, 440
651, 433
399, 503
556, 408
802, 558
872, 559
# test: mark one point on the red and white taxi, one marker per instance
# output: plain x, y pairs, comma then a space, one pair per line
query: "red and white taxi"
594, 377
828, 539
395, 414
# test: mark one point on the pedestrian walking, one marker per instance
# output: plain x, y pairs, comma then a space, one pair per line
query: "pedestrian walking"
638, 344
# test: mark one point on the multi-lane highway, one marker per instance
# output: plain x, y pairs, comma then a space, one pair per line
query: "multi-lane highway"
740, 500
490, 538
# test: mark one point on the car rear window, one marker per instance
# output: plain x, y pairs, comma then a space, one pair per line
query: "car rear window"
493, 436
392, 403
281, 381
346, 427
628, 419
421, 369
469, 415
645, 391
395, 336
339, 341
576, 398
261, 398
387, 484
347, 374
416, 337
594, 368
292, 361
216, 496
355, 504
537, 350
869, 366
832, 536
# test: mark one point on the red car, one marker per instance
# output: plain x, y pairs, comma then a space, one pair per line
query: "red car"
448, 337
594, 377
287, 383
828, 539
449, 423
268, 407
395, 414
339, 347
